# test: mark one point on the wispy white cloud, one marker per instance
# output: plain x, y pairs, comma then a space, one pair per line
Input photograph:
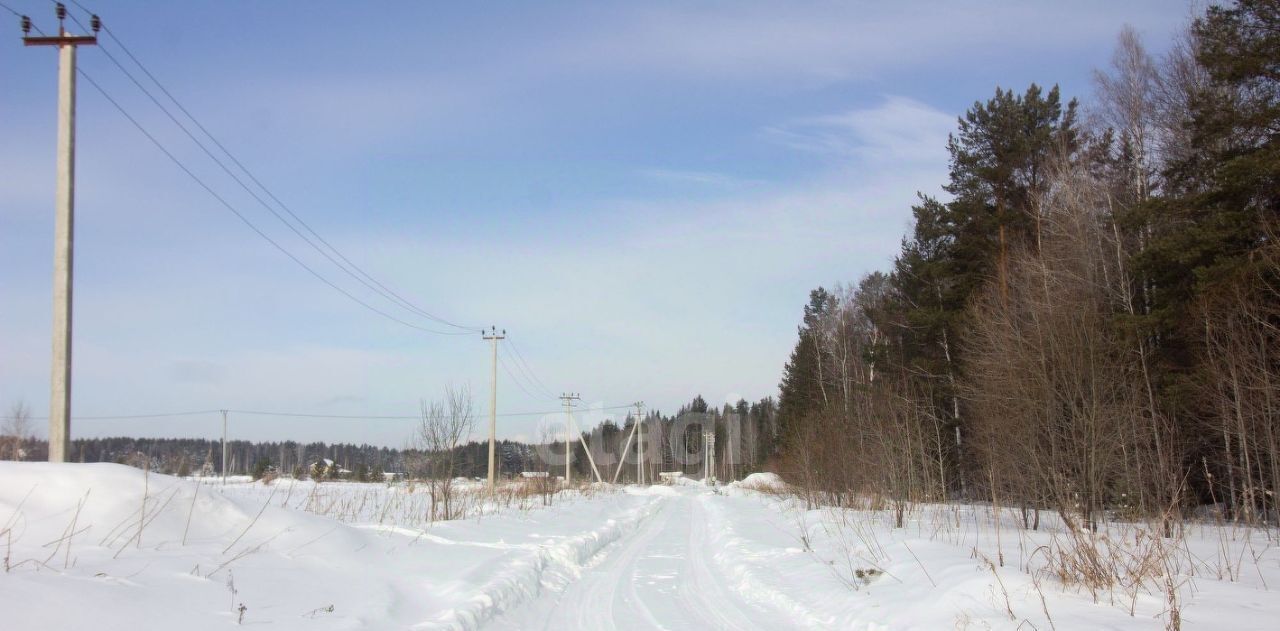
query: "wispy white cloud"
899, 129
831, 41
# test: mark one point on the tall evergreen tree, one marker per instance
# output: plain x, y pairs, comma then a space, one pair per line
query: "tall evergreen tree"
1000, 158
801, 387
1224, 195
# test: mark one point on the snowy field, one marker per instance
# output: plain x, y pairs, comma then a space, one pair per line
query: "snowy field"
108, 547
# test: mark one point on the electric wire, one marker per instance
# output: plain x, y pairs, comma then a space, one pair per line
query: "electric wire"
20, 15
518, 376
123, 417
528, 370
357, 416
380, 287
245, 219
522, 365
514, 380
374, 286
128, 417
538, 391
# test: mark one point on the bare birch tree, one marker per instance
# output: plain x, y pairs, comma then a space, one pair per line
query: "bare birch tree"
15, 431
1052, 379
444, 426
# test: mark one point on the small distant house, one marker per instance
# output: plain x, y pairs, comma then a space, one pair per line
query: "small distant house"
326, 468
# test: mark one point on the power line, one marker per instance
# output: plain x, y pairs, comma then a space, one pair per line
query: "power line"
394, 417
245, 219
529, 370
350, 268
374, 286
515, 380
26, 20
128, 417
123, 417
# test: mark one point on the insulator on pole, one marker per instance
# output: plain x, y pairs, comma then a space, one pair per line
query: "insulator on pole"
96, 23
26, 25
61, 11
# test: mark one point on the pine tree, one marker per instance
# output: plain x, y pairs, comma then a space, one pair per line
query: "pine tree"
802, 388
1224, 195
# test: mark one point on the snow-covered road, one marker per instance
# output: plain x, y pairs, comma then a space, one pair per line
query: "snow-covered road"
662, 576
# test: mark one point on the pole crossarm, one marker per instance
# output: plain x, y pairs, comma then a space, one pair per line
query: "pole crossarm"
60, 40
63, 38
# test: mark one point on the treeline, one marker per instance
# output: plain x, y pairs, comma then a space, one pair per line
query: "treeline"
197, 456
1090, 321
745, 437
194, 456
746, 434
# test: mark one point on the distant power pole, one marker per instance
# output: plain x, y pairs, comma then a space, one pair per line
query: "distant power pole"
63, 226
493, 336
224, 447
709, 459
635, 427
568, 400
639, 442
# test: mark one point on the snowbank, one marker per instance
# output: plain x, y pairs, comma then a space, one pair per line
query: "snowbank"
959, 566
133, 550
762, 481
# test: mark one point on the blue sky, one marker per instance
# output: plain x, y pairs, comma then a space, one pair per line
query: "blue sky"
642, 194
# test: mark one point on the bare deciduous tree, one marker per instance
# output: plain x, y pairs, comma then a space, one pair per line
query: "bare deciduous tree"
444, 426
1127, 106
1057, 390
1241, 383
15, 431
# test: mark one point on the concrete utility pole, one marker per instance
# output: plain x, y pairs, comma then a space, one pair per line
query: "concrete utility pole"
63, 226
568, 400
622, 458
731, 429
639, 442
493, 336
224, 447
709, 462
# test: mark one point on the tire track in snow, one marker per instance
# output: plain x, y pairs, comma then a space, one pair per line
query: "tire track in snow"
748, 576
592, 604
524, 576
662, 577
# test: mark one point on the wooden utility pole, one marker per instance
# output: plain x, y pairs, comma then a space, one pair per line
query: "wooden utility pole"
63, 226
568, 400
493, 336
